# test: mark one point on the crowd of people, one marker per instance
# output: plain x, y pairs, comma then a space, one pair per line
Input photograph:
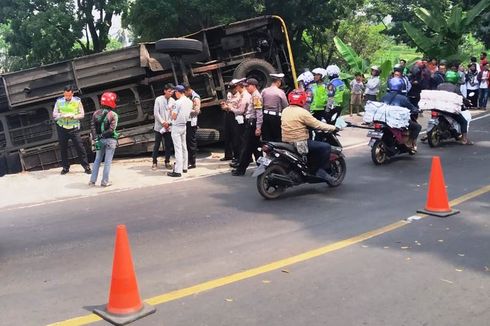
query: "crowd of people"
252, 115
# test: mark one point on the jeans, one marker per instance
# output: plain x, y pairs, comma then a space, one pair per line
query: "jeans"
483, 97
180, 147
166, 140
106, 152
414, 129
74, 134
321, 151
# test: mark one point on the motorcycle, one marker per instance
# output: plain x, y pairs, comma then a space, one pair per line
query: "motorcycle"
387, 142
441, 127
282, 167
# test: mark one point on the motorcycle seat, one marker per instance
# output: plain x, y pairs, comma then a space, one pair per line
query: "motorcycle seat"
286, 146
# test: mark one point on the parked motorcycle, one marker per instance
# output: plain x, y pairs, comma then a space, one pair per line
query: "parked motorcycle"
281, 167
387, 142
442, 127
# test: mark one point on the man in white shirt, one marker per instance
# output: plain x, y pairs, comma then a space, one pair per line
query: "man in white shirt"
180, 114
191, 131
162, 112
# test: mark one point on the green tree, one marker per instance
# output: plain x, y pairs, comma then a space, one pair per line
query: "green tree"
46, 31
442, 33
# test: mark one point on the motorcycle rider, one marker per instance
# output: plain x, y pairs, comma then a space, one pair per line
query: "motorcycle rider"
394, 97
295, 122
451, 84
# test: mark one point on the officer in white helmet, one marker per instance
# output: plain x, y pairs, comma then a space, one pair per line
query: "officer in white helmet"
317, 94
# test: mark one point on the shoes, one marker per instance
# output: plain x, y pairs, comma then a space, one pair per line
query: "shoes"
321, 173
225, 159
91, 184
174, 174
88, 170
64, 171
106, 184
237, 172
168, 165
185, 171
154, 167
191, 166
234, 164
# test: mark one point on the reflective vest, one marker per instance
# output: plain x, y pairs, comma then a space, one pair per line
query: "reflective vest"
340, 88
68, 107
319, 97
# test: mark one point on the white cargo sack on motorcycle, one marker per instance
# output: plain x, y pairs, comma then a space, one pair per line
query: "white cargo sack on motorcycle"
393, 116
441, 101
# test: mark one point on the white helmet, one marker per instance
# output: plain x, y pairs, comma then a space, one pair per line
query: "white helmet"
333, 70
306, 77
375, 68
319, 71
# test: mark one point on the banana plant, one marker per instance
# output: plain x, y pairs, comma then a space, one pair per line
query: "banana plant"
443, 33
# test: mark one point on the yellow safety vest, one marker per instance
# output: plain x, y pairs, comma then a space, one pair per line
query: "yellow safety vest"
68, 107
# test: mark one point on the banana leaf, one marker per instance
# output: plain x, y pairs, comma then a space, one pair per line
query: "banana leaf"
386, 69
423, 42
348, 54
455, 20
475, 12
436, 23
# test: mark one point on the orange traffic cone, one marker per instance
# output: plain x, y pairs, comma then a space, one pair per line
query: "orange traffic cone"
125, 305
437, 202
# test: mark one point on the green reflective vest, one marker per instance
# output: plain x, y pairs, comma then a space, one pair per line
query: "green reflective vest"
68, 107
319, 97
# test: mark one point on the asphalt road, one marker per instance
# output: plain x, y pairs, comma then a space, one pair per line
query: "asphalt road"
56, 259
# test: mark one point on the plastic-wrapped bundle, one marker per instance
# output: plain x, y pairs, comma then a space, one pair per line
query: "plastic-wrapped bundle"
393, 116
440, 100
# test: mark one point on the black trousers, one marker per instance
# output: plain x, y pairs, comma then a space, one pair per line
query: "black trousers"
166, 140
370, 97
250, 145
271, 128
74, 134
191, 141
229, 135
238, 131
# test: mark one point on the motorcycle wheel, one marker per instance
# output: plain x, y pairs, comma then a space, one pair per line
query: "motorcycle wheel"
268, 191
378, 152
434, 137
338, 171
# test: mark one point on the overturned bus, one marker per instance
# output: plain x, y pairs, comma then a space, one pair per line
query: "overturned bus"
207, 59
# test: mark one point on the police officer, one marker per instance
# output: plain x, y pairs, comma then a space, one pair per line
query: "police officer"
67, 112
253, 125
234, 120
274, 101
191, 126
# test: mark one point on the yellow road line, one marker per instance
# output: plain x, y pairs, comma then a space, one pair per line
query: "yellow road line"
209, 285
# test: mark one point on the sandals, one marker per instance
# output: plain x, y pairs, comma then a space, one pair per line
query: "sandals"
467, 142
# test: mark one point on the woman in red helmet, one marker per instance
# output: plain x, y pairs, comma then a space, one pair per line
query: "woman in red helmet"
295, 122
103, 127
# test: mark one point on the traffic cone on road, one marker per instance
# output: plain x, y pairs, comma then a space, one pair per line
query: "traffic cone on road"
437, 201
125, 305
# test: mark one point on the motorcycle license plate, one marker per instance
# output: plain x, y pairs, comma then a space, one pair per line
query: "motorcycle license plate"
375, 134
264, 161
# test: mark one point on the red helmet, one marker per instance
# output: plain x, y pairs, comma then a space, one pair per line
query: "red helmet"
297, 97
109, 99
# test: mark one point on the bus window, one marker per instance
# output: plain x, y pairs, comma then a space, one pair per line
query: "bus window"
29, 126
3, 140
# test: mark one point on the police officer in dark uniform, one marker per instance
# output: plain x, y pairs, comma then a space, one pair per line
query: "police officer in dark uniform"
274, 101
